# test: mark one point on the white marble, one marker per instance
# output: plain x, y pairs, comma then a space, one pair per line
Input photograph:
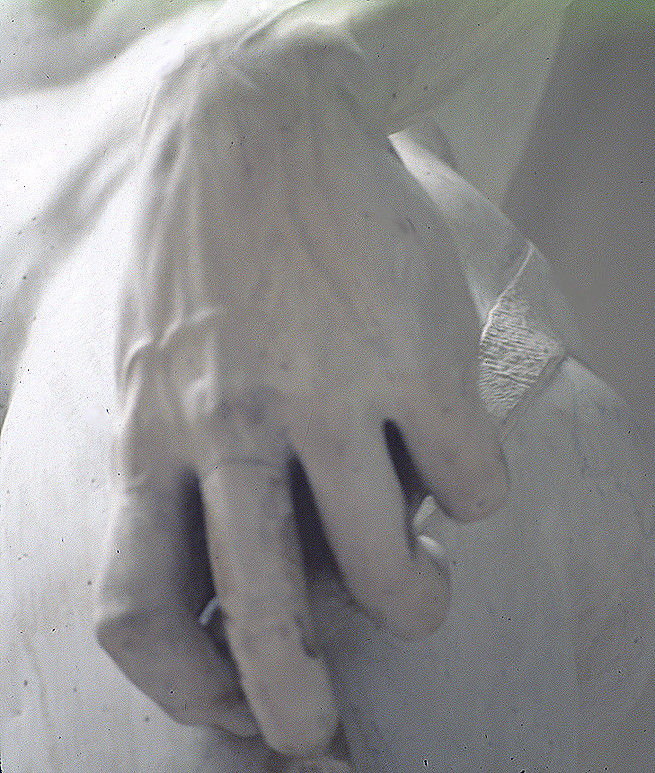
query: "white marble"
547, 642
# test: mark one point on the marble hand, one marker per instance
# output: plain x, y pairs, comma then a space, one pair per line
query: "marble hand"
294, 299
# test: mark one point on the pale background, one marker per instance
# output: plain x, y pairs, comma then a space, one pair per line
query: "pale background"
585, 194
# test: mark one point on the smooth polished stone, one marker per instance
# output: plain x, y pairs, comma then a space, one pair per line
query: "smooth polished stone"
507, 676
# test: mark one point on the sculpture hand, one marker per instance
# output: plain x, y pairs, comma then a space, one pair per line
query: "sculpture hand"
293, 300
149, 620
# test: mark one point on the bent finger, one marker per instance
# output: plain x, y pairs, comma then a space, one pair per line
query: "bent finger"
144, 622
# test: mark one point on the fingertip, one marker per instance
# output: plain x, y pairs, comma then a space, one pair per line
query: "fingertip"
288, 690
418, 606
175, 662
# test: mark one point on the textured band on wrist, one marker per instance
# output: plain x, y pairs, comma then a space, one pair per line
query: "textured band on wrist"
517, 359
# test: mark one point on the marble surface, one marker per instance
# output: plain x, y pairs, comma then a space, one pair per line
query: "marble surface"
549, 642
577, 519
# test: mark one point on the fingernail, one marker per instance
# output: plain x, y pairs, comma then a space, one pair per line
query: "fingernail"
429, 547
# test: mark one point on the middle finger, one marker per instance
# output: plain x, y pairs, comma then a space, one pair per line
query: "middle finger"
363, 512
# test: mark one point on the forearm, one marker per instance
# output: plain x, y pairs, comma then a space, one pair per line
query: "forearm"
393, 59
